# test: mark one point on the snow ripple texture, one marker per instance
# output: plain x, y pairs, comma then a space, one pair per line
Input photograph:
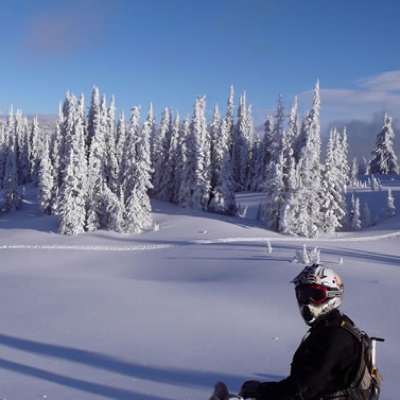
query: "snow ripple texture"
390, 235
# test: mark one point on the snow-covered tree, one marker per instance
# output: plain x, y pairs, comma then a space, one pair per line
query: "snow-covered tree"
111, 166
366, 216
223, 199
12, 194
303, 208
333, 186
183, 165
34, 150
160, 155
22, 148
45, 179
96, 169
93, 124
120, 137
201, 151
355, 214
136, 178
384, 159
390, 205
242, 140
274, 196
73, 191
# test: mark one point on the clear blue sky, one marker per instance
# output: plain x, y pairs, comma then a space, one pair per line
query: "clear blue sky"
170, 51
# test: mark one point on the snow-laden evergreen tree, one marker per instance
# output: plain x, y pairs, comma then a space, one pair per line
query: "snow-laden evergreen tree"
276, 145
93, 123
201, 150
34, 149
256, 167
137, 178
45, 179
293, 127
363, 168
354, 171
183, 165
366, 216
173, 158
304, 202
57, 149
116, 211
261, 157
129, 168
96, 171
3, 151
241, 146
167, 183
73, 191
390, 206
274, 196
12, 194
111, 164
267, 149
22, 141
216, 146
355, 214
223, 199
120, 137
333, 186
384, 159
160, 155
228, 119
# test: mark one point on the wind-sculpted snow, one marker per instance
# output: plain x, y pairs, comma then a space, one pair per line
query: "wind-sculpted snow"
84, 247
149, 247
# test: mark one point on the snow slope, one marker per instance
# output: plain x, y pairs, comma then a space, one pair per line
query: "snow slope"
164, 314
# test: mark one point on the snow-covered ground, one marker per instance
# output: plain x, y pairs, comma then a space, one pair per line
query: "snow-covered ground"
165, 314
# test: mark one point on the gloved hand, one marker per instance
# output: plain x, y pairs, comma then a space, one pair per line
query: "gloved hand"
249, 389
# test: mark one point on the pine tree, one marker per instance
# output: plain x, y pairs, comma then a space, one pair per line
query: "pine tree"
355, 215
160, 155
111, 163
390, 206
74, 189
93, 118
96, 171
34, 147
12, 195
223, 199
304, 202
184, 165
241, 145
274, 196
201, 179
120, 137
384, 160
22, 140
333, 186
45, 180
137, 174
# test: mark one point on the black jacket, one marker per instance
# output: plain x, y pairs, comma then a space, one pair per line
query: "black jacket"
326, 361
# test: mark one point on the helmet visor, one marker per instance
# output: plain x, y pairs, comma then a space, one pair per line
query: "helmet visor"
315, 294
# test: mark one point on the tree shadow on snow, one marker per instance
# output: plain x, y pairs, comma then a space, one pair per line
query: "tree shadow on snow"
172, 376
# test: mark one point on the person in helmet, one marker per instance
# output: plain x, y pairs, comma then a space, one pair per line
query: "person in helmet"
327, 360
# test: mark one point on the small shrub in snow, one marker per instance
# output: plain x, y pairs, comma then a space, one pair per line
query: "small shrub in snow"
243, 213
303, 256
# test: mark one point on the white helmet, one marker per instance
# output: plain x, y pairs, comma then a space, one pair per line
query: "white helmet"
319, 290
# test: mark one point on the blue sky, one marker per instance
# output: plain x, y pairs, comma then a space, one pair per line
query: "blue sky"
170, 51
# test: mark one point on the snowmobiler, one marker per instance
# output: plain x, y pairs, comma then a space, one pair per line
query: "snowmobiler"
332, 360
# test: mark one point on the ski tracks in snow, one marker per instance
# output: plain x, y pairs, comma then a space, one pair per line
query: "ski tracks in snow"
391, 235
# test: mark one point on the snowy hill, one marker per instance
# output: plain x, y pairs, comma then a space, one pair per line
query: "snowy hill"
164, 314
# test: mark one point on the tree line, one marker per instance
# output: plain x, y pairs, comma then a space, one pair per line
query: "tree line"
98, 171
